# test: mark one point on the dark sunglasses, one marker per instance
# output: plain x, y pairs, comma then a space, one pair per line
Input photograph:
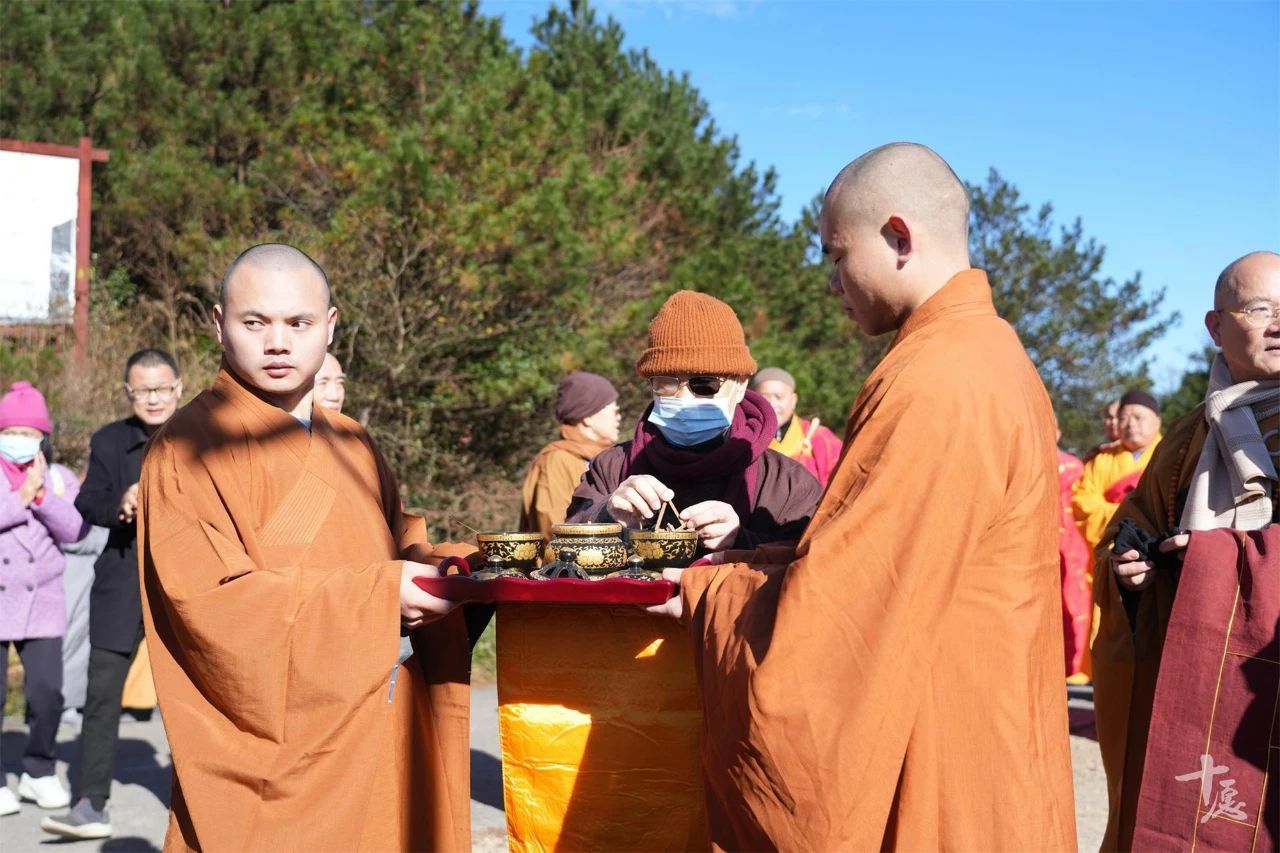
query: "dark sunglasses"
699, 386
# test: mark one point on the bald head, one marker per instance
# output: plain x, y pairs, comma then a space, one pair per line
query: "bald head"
1242, 275
1243, 322
275, 257
895, 226
907, 180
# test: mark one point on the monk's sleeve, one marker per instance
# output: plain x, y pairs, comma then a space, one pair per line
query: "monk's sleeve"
590, 501
99, 499
843, 639
788, 496
241, 626
1089, 503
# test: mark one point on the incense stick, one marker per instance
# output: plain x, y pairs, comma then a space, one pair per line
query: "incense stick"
464, 524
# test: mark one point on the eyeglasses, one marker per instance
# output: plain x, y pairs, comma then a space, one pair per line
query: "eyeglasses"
1258, 316
163, 392
700, 386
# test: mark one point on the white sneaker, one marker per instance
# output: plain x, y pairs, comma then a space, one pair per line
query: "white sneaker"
47, 791
84, 821
8, 802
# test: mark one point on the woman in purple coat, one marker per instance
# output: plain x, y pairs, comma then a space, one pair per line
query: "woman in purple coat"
37, 514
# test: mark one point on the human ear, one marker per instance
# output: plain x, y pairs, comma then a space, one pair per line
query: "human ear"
898, 235
218, 320
1213, 323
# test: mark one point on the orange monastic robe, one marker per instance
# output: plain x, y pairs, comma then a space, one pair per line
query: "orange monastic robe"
271, 561
898, 684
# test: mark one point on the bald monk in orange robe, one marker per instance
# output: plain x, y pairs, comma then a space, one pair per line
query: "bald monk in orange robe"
895, 682
1194, 487
277, 571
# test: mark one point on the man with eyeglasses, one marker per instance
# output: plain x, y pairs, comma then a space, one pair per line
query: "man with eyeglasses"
702, 447
109, 498
1208, 503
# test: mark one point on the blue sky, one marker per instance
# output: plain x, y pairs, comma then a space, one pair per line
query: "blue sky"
1156, 123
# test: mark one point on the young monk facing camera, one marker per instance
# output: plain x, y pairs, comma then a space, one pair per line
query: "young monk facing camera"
277, 572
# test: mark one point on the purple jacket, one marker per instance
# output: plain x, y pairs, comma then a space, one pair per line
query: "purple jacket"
31, 597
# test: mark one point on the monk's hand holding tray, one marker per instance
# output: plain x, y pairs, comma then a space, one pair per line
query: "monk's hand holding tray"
674, 606
418, 607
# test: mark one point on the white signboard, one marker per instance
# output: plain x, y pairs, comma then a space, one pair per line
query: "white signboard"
38, 204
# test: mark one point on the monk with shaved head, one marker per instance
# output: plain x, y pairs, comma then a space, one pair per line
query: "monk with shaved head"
894, 681
277, 572
1187, 638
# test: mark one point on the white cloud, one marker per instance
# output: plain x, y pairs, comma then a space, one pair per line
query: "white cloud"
722, 9
807, 110
815, 110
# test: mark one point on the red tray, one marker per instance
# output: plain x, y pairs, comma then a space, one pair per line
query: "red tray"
460, 587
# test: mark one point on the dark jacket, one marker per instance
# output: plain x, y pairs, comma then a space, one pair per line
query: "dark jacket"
786, 496
115, 606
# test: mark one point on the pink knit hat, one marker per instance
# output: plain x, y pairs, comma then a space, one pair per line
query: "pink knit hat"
24, 406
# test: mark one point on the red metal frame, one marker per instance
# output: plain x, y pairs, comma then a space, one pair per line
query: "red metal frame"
87, 155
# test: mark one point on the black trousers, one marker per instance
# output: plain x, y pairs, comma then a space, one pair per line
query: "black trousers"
42, 668
100, 729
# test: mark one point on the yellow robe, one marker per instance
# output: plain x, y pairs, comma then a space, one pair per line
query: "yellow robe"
270, 565
139, 688
1092, 509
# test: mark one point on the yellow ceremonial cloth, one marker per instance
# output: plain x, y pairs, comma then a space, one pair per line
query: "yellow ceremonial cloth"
599, 721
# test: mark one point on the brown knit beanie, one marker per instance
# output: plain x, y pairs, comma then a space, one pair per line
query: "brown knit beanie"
696, 333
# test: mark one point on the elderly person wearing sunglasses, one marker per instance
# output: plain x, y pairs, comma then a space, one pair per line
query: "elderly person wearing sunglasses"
586, 691
703, 443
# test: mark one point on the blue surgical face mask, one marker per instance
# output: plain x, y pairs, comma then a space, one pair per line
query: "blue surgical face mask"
20, 449
688, 421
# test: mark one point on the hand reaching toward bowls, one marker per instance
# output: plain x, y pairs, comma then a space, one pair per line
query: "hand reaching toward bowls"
637, 498
716, 522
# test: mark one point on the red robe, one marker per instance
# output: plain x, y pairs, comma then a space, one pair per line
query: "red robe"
1073, 559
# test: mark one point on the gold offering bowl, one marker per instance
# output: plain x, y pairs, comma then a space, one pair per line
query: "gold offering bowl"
512, 550
664, 549
597, 548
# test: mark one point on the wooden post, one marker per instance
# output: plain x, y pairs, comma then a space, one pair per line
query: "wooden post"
84, 260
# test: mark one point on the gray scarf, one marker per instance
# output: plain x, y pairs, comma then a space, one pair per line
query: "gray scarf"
1235, 482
